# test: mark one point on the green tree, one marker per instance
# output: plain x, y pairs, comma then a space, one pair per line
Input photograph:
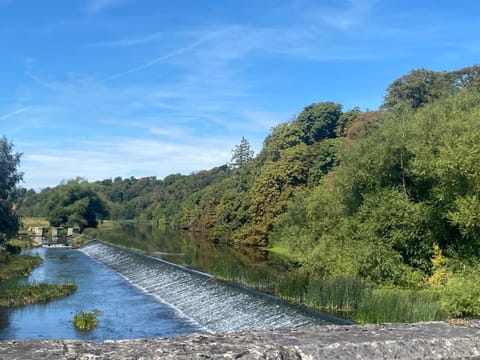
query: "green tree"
318, 121
423, 86
9, 177
345, 120
272, 189
242, 154
76, 204
414, 89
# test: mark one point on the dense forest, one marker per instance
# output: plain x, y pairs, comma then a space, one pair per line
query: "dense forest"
390, 196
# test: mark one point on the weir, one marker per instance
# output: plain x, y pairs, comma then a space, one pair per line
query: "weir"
213, 305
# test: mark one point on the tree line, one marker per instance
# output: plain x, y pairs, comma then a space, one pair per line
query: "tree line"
376, 195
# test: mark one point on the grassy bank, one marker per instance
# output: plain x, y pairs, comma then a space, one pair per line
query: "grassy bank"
28, 222
17, 265
22, 243
12, 266
80, 240
20, 295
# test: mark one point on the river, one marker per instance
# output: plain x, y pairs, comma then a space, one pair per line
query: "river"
125, 311
140, 296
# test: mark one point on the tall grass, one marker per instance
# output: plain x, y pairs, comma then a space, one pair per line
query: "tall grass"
355, 299
399, 305
339, 294
292, 286
257, 278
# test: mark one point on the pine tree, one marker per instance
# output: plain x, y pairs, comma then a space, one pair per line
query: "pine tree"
241, 154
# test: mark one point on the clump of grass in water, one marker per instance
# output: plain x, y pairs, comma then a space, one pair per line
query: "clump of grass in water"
86, 320
399, 305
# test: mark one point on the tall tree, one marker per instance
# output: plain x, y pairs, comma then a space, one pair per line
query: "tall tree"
9, 177
318, 121
242, 154
422, 86
76, 204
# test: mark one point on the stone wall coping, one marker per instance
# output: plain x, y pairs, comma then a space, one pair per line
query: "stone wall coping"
425, 340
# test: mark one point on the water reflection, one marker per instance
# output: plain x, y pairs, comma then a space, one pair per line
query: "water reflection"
4, 319
249, 266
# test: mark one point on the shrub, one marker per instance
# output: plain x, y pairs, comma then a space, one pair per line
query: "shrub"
461, 294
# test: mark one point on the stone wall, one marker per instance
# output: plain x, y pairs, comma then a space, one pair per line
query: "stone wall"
429, 340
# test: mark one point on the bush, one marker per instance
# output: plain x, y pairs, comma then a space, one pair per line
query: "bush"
13, 249
85, 320
461, 295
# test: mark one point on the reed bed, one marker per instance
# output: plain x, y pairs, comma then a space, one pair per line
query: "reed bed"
399, 305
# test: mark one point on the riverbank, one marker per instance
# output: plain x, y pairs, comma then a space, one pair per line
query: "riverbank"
12, 266
430, 340
12, 295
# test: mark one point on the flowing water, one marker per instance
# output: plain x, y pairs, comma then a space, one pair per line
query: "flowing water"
139, 296
213, 305
125, 311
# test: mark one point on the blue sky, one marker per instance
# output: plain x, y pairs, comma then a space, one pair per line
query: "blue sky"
106, 88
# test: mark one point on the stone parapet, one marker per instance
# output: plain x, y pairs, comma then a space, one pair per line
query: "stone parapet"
428, 340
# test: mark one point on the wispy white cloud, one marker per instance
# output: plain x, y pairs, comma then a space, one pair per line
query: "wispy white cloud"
13, 113
175, 53
124, 156
345, 15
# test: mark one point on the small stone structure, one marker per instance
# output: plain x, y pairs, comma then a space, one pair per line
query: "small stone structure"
72, 231
56, 232
39, 231
428, 340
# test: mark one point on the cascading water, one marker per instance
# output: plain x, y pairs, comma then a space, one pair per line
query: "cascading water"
215, 306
